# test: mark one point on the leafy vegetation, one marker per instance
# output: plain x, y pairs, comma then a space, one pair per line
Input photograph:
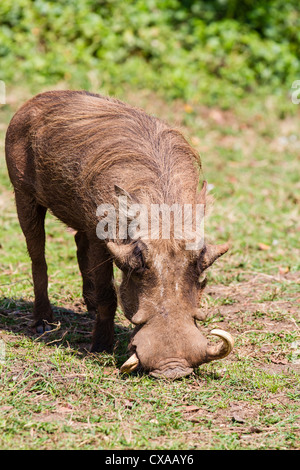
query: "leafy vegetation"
214, 51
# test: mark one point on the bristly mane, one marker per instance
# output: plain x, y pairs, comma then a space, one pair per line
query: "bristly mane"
111, 143
112, 137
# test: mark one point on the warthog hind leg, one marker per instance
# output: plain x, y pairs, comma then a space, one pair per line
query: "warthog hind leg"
32, 218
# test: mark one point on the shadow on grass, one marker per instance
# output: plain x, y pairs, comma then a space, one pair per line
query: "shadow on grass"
71, 328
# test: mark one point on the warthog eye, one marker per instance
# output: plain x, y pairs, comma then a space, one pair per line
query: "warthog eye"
136, 265
129, 257
139, 260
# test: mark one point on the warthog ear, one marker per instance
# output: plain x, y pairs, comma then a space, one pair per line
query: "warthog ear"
209, 254
202, 194
126, 200
122, 192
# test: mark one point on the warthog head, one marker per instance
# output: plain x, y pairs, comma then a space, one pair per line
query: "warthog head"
160, 294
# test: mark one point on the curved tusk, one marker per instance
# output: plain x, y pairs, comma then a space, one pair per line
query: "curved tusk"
220, 351
130, 365
228, 339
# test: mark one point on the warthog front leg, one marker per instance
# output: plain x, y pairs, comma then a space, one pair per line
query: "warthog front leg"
88, 287
104, 299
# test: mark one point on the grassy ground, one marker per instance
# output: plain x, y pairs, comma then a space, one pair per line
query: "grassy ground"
56, 395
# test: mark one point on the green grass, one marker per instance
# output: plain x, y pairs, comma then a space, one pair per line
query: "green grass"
56, 395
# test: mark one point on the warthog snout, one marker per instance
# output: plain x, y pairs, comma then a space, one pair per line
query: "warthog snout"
174, 368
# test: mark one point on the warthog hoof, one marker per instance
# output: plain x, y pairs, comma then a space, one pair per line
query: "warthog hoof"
42, 328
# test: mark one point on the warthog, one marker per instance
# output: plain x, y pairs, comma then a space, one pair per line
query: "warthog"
73, 151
